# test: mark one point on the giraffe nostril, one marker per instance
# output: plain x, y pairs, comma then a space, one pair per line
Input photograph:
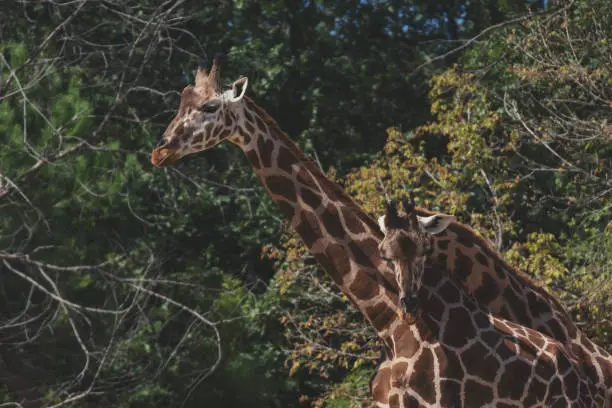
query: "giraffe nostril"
161, 142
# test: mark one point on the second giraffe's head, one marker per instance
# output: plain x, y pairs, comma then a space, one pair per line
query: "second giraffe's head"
206, 116
407, 242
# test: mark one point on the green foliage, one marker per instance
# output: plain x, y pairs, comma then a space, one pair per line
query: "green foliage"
86, 89
518, 148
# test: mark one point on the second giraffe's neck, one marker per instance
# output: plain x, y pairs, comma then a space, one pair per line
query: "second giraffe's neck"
511, 294
342, 238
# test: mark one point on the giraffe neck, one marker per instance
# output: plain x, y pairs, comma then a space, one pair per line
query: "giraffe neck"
342, 238
511, 294
459, 354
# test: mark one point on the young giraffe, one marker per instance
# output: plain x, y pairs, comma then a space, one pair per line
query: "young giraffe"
343, 238
456, 354
511, 294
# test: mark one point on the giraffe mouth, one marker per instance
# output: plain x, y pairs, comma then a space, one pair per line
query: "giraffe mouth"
163, 156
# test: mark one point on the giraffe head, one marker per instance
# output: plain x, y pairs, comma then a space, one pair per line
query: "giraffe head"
407, 242
207, 115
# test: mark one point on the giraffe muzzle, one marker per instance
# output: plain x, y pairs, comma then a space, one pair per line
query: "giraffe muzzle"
163, 156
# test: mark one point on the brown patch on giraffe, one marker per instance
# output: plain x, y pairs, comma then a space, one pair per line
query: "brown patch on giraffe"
526, 350
481, 320
491, 338
555, 386
404, 337
359, 256
442, 243
208, 129
556, 331
535, 338
227, 119
483, 260
463, 266
285, 159
423, 375
261, 125
514, 282
536, 393
287, 209
331, 220
253, 158
369, 246
363, 289
265, 147
399, 375
606, 369
353, 223
571, 381
394, 401
427, 328
380, 314
249, 127
379, 386
409, 402
248, 115
306, 179
589, 347
509, 383
308, 228
311, 198
464, 237
179, 130
198, 138
537, 306
281, 186
451, 393
459, 329
246, 138
488, 291
365, 219
441, 259
563, 363
336, 262
449, 292
545, 368
434, 306
480, 362
217, 129
449, 364
504, 312
507, 347
477, 395
226, 133
517, 305
499, 270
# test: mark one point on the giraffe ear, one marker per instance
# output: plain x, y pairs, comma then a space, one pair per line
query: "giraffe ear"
239, 88
436, 223
381, 224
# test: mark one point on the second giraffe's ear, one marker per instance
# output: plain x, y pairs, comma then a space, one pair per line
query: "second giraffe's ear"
436, 223
381, 224
239, 88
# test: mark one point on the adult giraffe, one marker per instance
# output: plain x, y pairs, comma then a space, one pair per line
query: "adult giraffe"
344, 239
454, 353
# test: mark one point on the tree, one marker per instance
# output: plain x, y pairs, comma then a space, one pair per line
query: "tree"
518, 147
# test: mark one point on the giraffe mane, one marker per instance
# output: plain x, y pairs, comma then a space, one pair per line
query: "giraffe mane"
314, 169
463, 230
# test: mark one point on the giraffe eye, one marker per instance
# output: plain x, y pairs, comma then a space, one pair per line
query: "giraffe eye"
210, 106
